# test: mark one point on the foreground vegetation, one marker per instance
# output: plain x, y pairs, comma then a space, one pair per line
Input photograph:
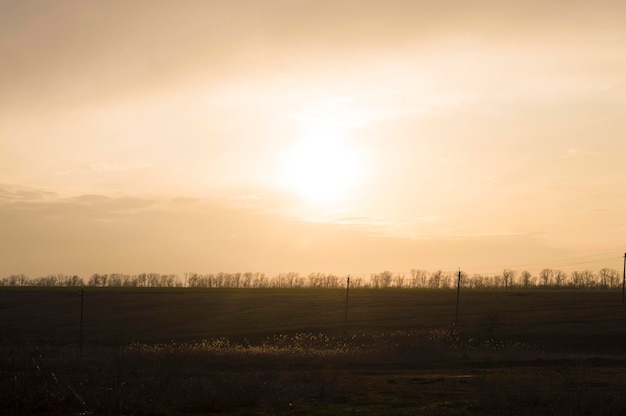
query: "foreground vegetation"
196, 352
429, 373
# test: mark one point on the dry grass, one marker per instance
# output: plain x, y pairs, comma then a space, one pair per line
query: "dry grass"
431, 371
500, 361
280, 373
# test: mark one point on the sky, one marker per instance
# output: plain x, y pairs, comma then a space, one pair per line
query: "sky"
311, 136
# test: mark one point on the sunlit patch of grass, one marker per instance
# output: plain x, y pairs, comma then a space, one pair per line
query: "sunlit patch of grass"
280, 373
298, 346
429, 343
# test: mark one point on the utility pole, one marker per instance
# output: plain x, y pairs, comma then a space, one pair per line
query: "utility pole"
345, 317
624, 279
458, 293
80, 338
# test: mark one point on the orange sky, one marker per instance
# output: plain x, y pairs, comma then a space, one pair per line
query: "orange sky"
327, 136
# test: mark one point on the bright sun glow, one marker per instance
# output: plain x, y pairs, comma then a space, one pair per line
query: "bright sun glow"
321, 166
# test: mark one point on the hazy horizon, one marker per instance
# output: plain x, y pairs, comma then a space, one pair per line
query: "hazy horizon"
293, 136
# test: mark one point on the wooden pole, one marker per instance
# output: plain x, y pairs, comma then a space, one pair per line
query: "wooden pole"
624, 279
80, 338
458, 293
345, 317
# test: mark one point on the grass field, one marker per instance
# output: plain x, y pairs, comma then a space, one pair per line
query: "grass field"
270, 351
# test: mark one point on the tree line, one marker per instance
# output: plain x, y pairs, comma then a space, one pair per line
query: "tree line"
605, 278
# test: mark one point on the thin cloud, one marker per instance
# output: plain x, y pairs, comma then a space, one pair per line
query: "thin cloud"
21, 193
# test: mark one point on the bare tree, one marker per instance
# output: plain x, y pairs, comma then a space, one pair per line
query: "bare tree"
508, 277
526, 278
381, 280
398, 280
560, 277
434, 280
477, 281
608, 278
546, 276
418, 278
446, 280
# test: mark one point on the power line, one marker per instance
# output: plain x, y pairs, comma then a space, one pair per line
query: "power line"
569, 262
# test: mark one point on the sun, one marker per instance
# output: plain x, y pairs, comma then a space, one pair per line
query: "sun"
322, 166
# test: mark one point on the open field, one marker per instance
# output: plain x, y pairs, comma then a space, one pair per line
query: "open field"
576, 321
289, 351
